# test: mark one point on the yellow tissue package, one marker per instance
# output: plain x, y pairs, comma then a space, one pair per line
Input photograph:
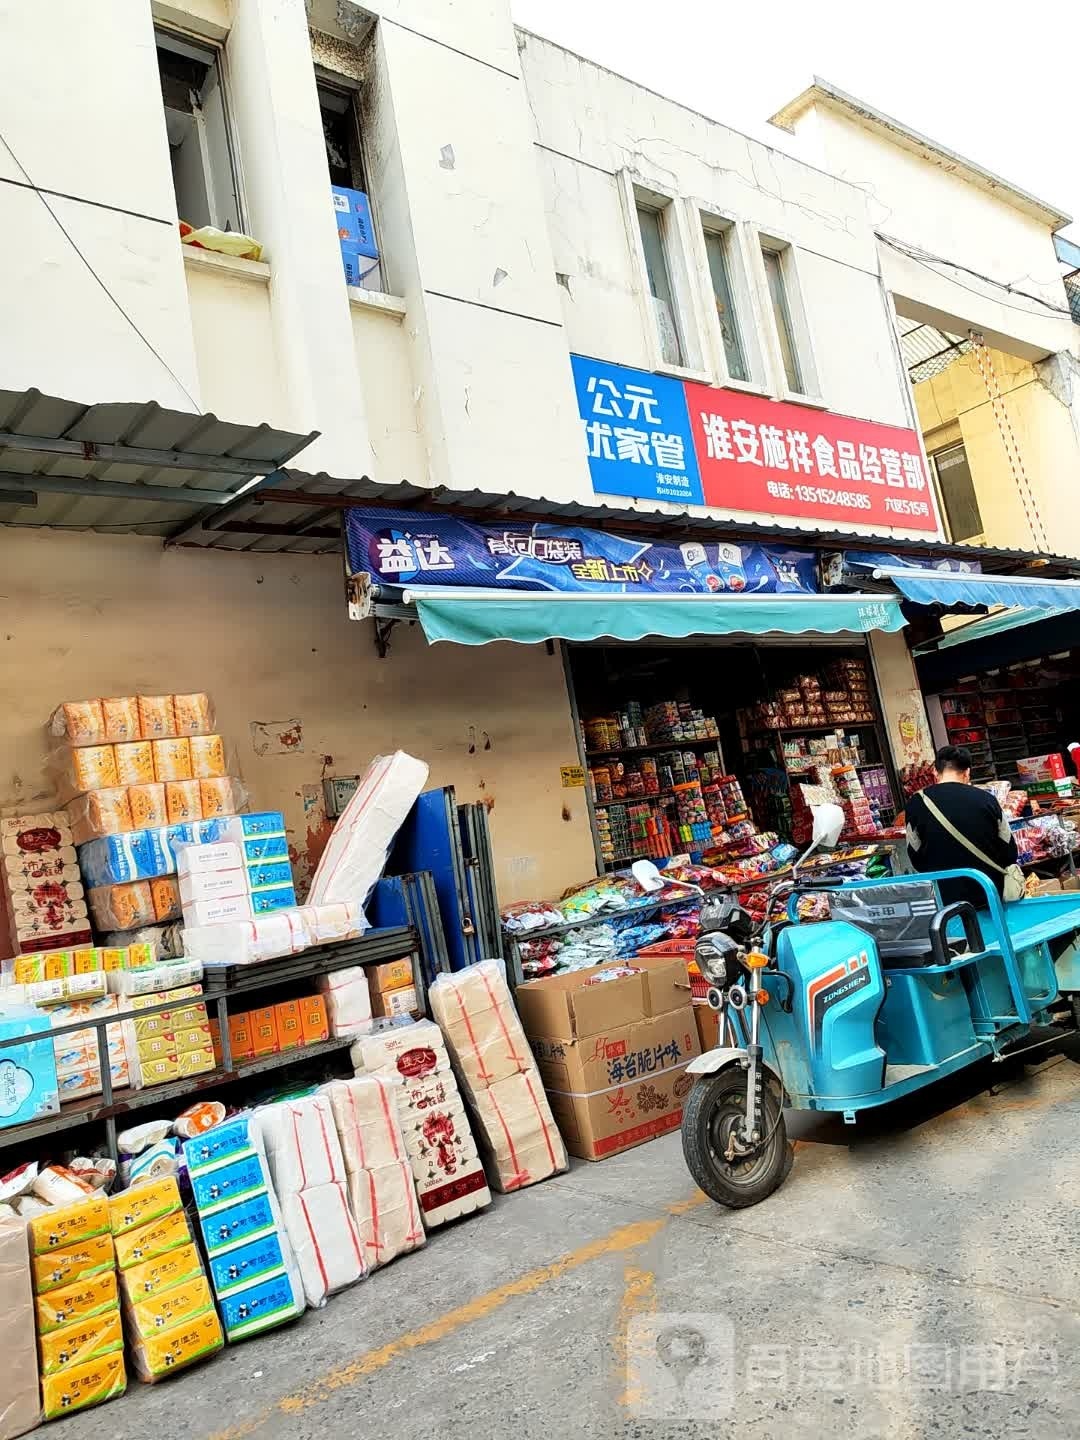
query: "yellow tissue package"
163, 1354
78, 1302
84, 1385
171, 1307
81, 1341
153, 1277
135, 1247
69, 1225
74, 1265
144, 1204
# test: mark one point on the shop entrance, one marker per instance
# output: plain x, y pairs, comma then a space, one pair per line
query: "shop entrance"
711, 748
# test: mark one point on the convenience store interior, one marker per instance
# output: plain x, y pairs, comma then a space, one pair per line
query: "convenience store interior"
656, 718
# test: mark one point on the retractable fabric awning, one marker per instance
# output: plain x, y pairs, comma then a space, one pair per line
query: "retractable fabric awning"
949, 588
989, 626
478, 617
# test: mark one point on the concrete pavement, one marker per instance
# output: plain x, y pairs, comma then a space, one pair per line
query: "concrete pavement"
917, 1278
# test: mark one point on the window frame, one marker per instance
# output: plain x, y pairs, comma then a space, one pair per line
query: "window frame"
682, 278
706, 220
202, 46
801, 342
943, 506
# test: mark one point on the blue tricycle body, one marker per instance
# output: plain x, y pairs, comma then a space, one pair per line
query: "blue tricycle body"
904, 990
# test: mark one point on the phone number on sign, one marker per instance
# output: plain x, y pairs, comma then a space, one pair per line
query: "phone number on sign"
821, 495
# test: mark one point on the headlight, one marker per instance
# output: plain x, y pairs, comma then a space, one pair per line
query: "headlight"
715, 955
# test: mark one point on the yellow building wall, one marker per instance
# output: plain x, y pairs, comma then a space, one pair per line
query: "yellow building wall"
268, 637
954, 405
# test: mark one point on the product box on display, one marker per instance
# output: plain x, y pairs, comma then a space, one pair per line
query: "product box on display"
612, 1045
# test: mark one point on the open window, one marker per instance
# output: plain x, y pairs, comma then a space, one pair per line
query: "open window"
200, 143
345, 161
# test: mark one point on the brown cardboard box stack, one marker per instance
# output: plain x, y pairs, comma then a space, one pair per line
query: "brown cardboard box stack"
613, 1051
498, 1073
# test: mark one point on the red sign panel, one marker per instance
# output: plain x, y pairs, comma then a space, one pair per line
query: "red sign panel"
782, 459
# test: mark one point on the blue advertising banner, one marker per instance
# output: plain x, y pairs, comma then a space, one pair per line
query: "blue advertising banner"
403, 547
637, 433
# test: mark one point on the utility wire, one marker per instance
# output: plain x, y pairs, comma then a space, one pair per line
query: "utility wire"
71, 241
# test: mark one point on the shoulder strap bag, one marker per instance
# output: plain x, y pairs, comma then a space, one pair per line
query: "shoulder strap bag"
1014, 876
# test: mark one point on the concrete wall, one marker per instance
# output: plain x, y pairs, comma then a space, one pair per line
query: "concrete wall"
954, 405
922, 202
268, 637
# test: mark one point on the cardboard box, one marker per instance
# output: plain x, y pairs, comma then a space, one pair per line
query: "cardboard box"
391, 975
572, 1006
264, 1036
708, 1027
1041, 767
19, 1398
390, 1003
290, 1033
613, 1053
313, 1019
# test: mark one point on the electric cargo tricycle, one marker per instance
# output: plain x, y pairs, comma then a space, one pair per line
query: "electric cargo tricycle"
891, 992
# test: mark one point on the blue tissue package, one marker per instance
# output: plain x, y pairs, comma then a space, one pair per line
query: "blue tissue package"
118, 859
352, 213
241, 1267
228, 1184
250, 1219
28, 1084
265, 848
270, 1302
265, 902
269, 874
223, 1142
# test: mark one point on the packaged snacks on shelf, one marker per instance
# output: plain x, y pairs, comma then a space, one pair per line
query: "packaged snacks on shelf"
101, 812
207, 753
172, 759
193, 714
135, 763
157, 717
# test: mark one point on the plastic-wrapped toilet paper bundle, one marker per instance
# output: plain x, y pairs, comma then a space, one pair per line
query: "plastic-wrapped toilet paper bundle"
354, 858
303, 1151
491, 1055
380, 1181
348, 1001
450, 1180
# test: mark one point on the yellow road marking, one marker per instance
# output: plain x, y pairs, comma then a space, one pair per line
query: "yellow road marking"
616, 1242
639, 1298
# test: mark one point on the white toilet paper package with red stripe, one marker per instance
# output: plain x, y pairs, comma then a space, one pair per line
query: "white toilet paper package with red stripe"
517, 1132
356, 853
382, 1192
304, 1155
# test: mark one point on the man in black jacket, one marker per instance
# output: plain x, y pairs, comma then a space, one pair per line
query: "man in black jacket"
977, 816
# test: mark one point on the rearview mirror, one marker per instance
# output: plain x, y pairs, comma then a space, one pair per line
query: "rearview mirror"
647, 876
828, 823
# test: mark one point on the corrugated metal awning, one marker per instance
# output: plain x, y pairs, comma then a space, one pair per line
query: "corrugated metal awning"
127, 467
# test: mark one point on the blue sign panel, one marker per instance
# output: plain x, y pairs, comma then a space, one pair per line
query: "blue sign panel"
637, 433
403, 547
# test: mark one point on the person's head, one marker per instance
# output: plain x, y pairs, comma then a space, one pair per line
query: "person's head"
953, 762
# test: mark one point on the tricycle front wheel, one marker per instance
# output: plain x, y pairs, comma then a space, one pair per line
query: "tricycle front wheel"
714, 1107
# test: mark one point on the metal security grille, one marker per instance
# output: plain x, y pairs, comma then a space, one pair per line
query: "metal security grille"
927, 350
1072, 290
